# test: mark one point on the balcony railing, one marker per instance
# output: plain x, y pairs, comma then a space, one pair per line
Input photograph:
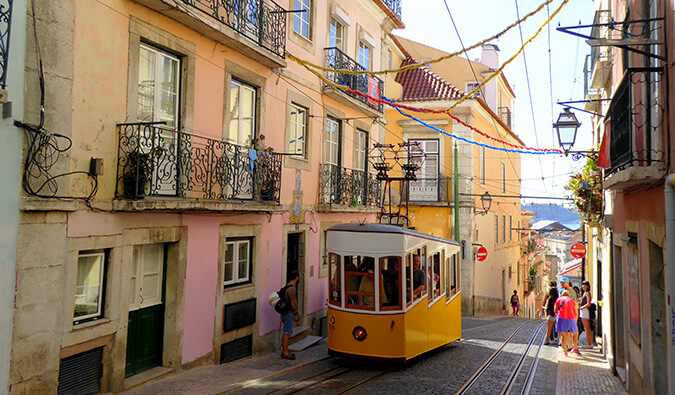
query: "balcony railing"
635, 117
429, 189
394, 6
505, 115
366, 84
155, 161
263, 21
348, 187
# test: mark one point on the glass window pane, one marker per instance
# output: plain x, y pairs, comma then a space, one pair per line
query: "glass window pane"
146, 85
89, 285
169, 91
390, 279
151, 286
229, 261
334, 270
242, 272
359, 279
418, 276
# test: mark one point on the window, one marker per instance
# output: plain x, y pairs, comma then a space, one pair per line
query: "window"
335, 276
90, 286
434, 277
510, 272
425, 188
364, 55
453, 275
503, 229
331, 149
242, 113
390, 297
503, 177
158, 86
336, 35
418, 274
496, 229
298, 130
237, 265
359, 282
147, 272
481, 165
360, 150
510, 228
470, 86
301, 24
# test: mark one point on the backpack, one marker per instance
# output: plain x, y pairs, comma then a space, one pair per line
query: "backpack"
591, 311
282, 306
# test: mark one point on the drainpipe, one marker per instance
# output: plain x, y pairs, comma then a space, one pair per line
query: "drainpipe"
669, 190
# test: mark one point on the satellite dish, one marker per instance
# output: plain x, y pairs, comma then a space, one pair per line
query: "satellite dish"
395, 197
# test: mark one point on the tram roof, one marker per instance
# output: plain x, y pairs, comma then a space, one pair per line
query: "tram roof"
385, 228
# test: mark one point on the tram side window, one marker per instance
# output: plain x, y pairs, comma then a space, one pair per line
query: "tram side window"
335, 276
359, 281
408, 287
454, 280
391, 283
434, 277
418, 275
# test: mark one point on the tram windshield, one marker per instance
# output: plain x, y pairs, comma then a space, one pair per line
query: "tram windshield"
360, 281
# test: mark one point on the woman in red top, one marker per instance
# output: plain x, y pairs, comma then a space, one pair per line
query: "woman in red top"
566, 322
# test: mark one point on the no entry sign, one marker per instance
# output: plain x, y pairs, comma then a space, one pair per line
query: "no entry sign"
481, 254
578, 250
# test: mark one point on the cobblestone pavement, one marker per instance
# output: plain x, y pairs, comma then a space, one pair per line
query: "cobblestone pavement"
443, 370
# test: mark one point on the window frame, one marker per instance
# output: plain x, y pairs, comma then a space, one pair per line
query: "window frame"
239, 119
236, 242
503, 177
503, 228
157, 88
103, 277
361, 137
328, 143
302, 19
364, 52
295, 126
401, 304
337, 283
481, 164
335, 27
496, 229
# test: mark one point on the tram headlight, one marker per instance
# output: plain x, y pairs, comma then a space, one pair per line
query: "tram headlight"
359, 333
331, 319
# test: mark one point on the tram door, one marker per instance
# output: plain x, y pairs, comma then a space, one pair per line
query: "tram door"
295, 258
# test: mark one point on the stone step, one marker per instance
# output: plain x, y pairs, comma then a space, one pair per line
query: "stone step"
300, 332
305, 343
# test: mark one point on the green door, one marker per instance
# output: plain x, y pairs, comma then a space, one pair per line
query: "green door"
145, 331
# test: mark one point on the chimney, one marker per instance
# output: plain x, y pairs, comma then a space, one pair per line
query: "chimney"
489, 55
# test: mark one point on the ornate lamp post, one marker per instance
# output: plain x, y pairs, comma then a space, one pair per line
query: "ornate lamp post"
566, 127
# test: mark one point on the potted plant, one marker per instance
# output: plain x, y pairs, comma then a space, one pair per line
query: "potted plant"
137, 172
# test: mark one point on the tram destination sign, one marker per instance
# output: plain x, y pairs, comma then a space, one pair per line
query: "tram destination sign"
481, 254
578, 250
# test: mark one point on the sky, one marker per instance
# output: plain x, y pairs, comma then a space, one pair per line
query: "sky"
560, 79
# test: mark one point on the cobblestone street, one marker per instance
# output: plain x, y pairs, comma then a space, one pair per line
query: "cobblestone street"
442, 371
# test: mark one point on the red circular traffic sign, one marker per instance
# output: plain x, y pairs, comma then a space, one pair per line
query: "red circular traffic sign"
481, 254
578, 250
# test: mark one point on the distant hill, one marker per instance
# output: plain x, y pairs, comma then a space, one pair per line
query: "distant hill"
554, 212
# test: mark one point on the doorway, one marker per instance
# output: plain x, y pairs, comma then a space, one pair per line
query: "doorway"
295, 258
145, 334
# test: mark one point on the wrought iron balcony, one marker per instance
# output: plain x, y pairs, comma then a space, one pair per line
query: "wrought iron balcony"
263, 21
366, 84
5, 27
348, 187
155, 161
505, 115
429, 189
394, 6
635, 117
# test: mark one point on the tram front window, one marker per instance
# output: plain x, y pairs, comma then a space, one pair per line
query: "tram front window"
390, 278
334, 268
359, 281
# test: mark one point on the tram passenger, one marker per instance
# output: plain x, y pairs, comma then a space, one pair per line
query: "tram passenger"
353, 281
367, 284
418, 278
390, 278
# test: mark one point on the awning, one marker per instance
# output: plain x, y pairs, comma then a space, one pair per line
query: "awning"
604, 161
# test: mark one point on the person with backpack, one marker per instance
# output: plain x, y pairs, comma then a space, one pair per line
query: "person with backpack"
515, 303
585, 311
289, 317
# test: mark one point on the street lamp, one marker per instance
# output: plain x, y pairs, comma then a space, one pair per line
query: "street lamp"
566, 127
486, 202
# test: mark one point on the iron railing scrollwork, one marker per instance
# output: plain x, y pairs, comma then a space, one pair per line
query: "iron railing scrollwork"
636, 117
429, 189
5, 28
363, 83
348, 187
155, 161
263, 21
394, 6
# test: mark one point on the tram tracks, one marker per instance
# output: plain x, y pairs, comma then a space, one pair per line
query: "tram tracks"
491, 373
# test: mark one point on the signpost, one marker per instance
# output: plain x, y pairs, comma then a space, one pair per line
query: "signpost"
481, 254
578, 250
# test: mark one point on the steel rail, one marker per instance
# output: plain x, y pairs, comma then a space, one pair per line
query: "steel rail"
512, 379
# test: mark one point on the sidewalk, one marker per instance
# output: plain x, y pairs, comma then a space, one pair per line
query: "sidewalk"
586, 373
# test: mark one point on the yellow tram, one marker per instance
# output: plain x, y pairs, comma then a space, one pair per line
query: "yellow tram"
377, 310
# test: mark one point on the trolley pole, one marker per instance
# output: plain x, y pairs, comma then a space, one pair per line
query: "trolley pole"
455, 183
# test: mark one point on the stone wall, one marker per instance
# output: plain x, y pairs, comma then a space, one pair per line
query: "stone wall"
486, 305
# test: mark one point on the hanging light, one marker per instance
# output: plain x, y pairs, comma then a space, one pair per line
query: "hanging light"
486, 202
566, 127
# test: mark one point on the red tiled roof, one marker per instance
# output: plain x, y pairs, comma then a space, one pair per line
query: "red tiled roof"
421, 84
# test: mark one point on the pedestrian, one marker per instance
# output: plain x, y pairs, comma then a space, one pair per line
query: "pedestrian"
584, 311
567, 286
549, 310
515, 303
289, 319
566, 321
